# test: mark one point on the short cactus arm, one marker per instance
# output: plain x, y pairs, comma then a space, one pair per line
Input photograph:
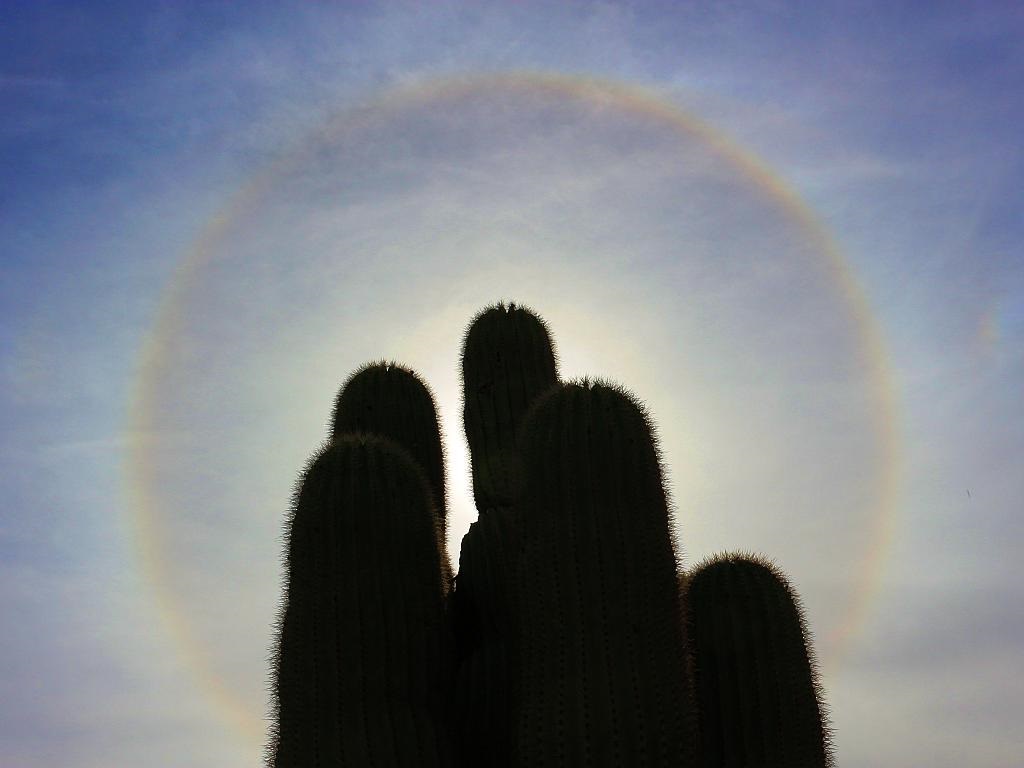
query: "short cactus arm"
760, 702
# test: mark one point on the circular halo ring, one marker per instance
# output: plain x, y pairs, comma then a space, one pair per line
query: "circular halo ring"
145, 515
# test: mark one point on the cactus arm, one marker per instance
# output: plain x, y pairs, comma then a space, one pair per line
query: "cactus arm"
507, 361
760, 700
603, 669
388, 399
361, 665
363, 661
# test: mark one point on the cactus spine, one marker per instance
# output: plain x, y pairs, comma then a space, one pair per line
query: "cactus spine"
759, 698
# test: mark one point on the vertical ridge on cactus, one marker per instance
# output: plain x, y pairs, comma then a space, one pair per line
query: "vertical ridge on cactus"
759, 699
362, 661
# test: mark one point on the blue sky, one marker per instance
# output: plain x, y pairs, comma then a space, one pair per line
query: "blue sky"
127, 128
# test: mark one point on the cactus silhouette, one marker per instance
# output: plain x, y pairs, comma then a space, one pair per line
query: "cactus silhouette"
760, 702
508, 361
362, 662
570, 637
387, 399
601, 632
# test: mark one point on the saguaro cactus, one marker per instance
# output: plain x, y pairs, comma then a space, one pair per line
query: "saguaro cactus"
579, 640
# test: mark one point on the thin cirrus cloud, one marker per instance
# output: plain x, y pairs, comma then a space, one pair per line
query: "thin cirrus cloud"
118, 153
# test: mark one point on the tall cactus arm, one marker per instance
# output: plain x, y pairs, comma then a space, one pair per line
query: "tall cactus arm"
508, 360
603, 667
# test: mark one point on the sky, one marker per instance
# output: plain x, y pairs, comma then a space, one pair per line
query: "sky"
791, 229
